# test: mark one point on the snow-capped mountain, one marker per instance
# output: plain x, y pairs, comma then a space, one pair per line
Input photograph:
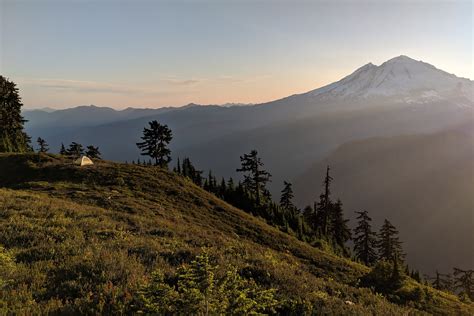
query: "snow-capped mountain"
402, 77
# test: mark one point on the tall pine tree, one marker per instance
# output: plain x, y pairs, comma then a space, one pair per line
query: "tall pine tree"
389, 245
12, 135
340, 233
286, 199
365, 240
255, 177
441, 281
323, 208
43, 146
155, 143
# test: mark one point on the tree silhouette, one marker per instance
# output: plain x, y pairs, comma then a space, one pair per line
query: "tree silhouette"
397, 274
43, 146
63, 150
365, 240
389, 245
286, 199
155, 142
441, 281
463, 282
93, 152
75, 150
12, 136
210, 183
340, 232
188, 170
177, 169
255, 177
323, 208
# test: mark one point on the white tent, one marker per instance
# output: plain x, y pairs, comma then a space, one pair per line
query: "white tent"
83, 161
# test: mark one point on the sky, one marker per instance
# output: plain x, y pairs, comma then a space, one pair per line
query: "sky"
170, 53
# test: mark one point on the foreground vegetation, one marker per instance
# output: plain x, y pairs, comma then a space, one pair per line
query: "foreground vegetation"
114, 238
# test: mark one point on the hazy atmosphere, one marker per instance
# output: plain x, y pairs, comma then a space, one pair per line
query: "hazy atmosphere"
171, 53
242, 157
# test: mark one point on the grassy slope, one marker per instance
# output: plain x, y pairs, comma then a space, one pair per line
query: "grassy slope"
98, 231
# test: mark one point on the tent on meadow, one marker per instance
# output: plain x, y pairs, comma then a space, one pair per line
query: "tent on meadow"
83, 161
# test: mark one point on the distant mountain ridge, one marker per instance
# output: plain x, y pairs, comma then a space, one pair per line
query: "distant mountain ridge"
400, 76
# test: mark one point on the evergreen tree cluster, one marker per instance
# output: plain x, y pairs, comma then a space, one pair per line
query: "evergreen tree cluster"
460, 282
251, 194
75, 150
188, 170
371, 247
325, 220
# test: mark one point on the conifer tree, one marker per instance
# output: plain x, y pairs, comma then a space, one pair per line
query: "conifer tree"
155, 143
397, 274
440, 281
327, 201
463, 281
198, 284
63, 150
415, 275
308, 215
199, 290
255, 177
389, 245
222, 188
230, 184
43, 146
178, 167
286, 199
75, 150
12, 135
340, 232
93, 152
188, 170
210, 183
365, 240
323, 208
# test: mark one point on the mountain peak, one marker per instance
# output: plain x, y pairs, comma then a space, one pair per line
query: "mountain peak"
401, 58
403, 77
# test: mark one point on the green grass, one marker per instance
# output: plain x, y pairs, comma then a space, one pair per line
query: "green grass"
84, 240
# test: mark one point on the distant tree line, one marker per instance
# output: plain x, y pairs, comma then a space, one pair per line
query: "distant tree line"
76, 150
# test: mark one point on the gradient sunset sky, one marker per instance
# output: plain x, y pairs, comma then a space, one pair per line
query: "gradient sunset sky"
170, 53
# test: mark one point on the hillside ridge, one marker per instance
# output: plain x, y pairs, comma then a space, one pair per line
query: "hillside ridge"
124, 221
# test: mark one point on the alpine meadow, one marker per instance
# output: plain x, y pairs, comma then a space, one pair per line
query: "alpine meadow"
236, 157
